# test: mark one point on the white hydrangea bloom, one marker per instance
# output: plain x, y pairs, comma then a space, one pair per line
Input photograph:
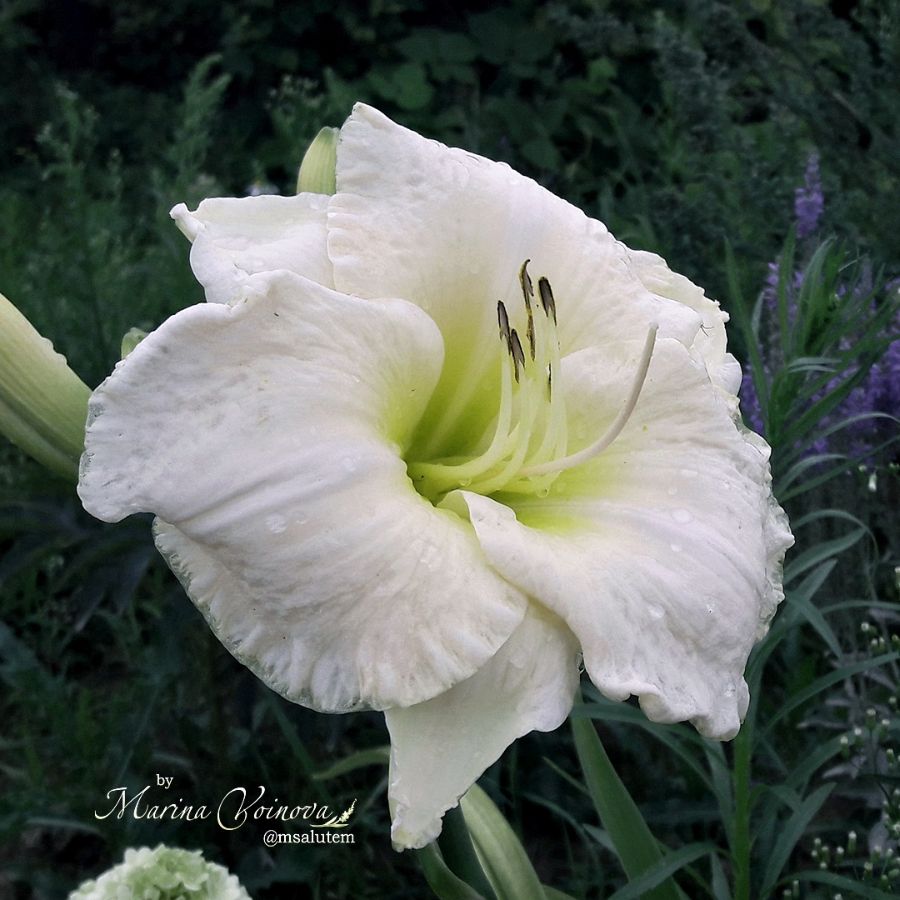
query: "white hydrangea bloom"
395, 472
165, 873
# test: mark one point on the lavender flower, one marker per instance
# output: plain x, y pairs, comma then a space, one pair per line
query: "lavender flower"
750, 401
878, 392
809, 201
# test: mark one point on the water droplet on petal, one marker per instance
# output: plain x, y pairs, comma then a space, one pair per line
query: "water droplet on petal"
682, 516
676, 548
276, 524
672, 491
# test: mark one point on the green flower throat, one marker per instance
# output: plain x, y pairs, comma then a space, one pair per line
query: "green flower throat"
525, 447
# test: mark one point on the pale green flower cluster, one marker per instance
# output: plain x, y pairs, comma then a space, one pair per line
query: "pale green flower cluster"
165, 873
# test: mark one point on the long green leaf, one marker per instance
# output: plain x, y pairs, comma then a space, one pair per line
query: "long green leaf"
813, 761
665, 868
377, 756
551, 893
826, 681
720, 889
822, 551
499, 851
868, 891
665, 734
793, 830
459, 854
441, 880
814, 616
636, 847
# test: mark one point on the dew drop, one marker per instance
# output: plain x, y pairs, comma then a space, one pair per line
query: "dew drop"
543, 492
682, 516
710, 609
676, 548
689, 473
656, 612
276, 524
672, 491
349, 464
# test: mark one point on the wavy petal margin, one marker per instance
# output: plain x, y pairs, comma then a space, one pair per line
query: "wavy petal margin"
267, 437
440, 748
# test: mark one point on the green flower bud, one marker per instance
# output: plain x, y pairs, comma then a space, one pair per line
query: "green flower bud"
316, 174
131, 339
43, 403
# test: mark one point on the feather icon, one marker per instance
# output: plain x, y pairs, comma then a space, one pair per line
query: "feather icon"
341, 821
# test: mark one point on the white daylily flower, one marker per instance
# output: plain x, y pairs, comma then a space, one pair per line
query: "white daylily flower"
394, 472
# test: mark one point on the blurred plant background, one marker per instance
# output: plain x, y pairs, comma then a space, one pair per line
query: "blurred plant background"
751, 143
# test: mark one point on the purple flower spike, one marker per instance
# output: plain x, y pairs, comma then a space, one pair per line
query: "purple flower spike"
750, 401
809, 201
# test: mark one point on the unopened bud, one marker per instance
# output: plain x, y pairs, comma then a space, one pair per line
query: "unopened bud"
317, 171
43, 403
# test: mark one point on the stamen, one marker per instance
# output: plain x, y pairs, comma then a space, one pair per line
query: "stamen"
524, 449
503, 319
525, 281
528, 294
615, 429
547, 301
438, 477
517, 353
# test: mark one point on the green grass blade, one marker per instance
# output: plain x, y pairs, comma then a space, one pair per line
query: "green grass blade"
825, 682
441, 880
856, 888
792, 832
499, 850
377, 756
636, 847
666, 867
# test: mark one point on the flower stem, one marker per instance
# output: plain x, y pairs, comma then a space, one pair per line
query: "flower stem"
741, 848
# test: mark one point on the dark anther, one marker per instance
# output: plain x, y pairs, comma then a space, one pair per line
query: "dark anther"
525, 281
503, 320
515, 350
547, 298
549, 381
530, 333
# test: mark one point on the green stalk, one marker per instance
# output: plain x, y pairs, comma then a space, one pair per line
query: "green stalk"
741, 848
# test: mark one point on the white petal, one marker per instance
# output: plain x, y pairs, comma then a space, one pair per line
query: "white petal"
267, 438
440, 748
663, 555
449, 230
235, 238
724, 370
